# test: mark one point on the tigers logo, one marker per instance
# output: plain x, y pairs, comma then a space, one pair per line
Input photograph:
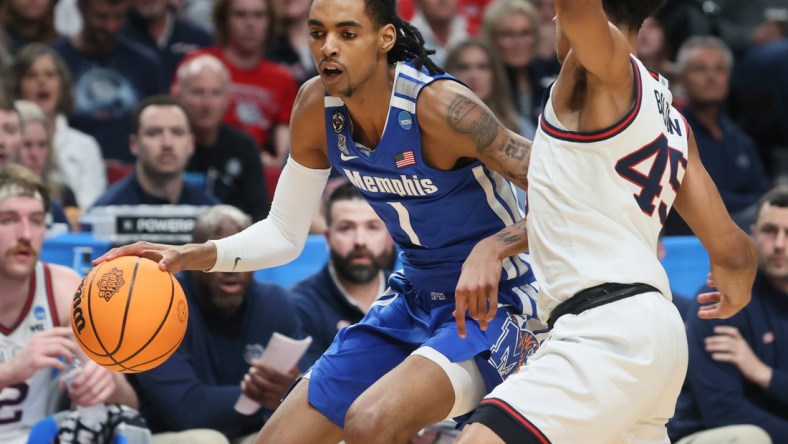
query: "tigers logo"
110, 283
514, 345
526, 346
338, 121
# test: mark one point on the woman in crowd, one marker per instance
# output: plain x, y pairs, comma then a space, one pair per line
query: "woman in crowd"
474, 62
512, 26
38, 155
39, 74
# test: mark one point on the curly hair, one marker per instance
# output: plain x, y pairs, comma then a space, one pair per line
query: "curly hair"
631, 13
410, 43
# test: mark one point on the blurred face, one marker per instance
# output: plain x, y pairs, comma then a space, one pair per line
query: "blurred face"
345, 45
294, 9
438, 10
10, 136
651, 39
102, 22
224, 291
22, 228
770, 234
515, 39
706, 76
205, 96
248, 24
163, 144
32, 10
359, 243
475, 70
41, 84
35, 147
150, 8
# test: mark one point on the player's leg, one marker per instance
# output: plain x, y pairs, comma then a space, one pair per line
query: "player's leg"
445, 378
297, 422
418, 392
585, 383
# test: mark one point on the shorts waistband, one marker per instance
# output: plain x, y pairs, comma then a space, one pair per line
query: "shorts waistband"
596, 296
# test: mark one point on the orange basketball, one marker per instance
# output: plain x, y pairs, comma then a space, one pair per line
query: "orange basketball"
128, 315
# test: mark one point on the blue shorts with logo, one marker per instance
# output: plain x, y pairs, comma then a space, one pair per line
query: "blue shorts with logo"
405, 319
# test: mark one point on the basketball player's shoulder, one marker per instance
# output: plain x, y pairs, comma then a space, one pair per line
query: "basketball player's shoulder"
61, 272
310, 95
308, 111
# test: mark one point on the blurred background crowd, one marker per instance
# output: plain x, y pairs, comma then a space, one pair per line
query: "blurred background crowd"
188, 102
82, 66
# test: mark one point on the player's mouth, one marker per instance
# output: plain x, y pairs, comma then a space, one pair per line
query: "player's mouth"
23, 254
330, 72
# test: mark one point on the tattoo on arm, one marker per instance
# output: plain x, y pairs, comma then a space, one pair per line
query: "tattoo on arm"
466, 117
513, 233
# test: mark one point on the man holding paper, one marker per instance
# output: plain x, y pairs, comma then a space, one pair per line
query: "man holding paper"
201, 385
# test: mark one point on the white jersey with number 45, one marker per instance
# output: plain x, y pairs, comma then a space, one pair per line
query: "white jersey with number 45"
597, 201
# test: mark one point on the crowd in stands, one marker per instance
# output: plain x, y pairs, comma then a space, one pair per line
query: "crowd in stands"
188, 102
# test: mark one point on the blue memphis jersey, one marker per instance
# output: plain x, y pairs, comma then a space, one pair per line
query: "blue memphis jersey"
436, 217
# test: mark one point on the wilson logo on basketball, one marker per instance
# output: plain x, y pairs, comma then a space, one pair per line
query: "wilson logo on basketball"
78, 318
110, 283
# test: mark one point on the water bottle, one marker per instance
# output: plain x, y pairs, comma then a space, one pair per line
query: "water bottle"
91, 416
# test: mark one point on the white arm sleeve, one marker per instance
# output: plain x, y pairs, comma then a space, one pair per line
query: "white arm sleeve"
279, 238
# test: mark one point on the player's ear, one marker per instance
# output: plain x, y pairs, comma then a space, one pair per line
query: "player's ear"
388, 36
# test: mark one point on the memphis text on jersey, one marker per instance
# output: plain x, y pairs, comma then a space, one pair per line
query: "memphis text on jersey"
403, 185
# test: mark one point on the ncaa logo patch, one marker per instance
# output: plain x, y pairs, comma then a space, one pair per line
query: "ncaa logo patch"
39, 313
405, 120
338, 121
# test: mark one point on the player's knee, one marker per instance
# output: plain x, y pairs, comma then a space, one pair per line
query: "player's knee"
366, 424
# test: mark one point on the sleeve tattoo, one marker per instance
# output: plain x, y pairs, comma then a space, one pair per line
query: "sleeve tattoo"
466, 117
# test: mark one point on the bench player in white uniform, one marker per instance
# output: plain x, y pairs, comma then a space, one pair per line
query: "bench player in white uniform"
610, 158
35, 306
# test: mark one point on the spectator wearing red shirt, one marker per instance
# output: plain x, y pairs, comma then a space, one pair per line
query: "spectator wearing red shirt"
261, 92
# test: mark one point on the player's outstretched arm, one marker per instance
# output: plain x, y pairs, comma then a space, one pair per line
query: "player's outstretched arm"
280, 237
596, 44
731, 252
461, 126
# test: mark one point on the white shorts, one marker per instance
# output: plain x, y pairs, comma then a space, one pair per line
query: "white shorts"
610, 374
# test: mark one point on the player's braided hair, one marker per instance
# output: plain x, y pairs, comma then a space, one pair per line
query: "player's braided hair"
410, 43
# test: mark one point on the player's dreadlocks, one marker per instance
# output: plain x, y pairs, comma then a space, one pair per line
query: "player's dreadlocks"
410, 43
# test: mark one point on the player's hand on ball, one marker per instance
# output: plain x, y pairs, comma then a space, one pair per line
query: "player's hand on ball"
46, 349
172, 258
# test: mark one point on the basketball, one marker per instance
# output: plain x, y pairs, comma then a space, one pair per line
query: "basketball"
128, 315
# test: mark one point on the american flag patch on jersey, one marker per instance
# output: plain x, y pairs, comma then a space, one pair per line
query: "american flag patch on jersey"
404, 159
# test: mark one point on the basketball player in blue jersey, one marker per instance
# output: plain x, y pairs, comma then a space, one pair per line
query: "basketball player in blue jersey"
35, 308
610, 158
433, 161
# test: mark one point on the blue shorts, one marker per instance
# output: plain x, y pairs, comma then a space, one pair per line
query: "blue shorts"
405, 319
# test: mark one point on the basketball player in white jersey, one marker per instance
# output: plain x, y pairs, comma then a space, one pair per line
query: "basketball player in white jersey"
35, 306
610, 158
